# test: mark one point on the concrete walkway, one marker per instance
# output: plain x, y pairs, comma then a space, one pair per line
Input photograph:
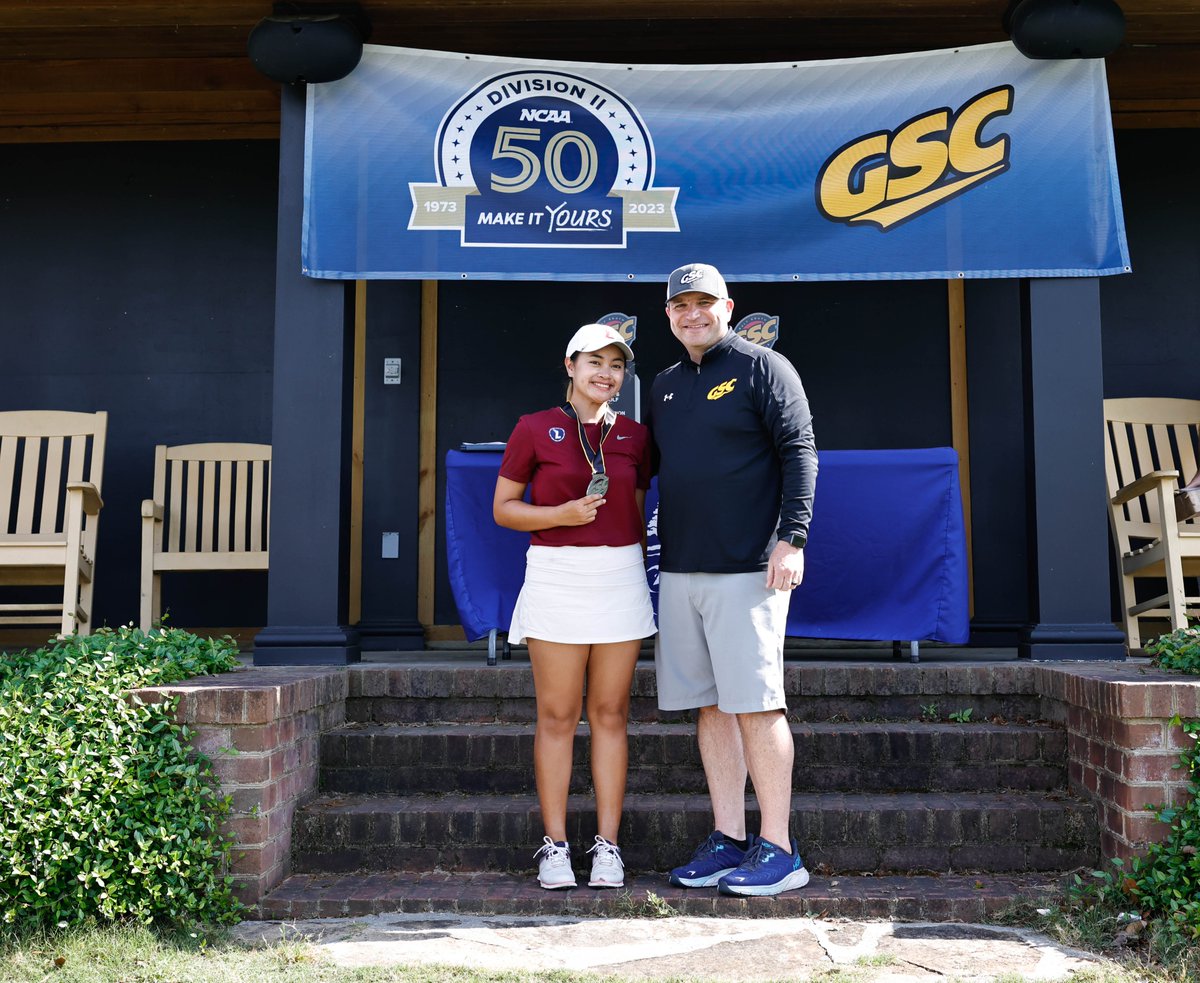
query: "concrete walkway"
739, 949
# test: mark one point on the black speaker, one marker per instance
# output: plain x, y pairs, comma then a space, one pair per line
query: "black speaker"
315, 48
1066, 28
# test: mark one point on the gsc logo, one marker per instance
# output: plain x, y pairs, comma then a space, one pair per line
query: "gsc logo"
722, 389
759, 329
624, 324
889, 177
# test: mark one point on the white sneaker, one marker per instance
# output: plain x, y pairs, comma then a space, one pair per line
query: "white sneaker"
608, 870
554, 870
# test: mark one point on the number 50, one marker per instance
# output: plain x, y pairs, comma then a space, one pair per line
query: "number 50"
508, 147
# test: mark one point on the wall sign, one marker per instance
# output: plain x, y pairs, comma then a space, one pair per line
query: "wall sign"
972, 162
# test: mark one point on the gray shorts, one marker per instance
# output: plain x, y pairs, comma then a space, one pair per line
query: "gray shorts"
720, 642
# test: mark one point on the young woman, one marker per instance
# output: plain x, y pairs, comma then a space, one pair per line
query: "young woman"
584, 607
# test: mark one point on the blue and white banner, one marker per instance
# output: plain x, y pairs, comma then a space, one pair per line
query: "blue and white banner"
972, 162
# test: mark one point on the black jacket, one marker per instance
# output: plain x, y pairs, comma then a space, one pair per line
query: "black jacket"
736, 458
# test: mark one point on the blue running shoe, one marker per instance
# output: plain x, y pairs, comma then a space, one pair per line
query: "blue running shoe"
713, 859
766, 870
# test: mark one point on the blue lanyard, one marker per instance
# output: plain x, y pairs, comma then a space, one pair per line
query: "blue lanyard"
595, 458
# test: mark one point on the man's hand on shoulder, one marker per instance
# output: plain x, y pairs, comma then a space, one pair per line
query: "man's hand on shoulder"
785, 568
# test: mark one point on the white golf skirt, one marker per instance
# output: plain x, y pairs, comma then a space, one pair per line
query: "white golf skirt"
583, 595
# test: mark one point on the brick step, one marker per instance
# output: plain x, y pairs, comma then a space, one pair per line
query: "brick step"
664, 757
386, 693
970, 898
961, 831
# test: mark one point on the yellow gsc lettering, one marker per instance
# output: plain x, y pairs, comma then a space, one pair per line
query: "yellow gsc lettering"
722, 389
966, 155
926, 145
837, 197
910, 148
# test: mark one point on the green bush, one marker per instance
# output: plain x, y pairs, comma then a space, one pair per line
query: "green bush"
1164, 885
1179, 649
105, 811
1167, 879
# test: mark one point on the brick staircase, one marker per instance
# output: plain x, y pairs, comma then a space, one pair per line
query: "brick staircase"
426, 798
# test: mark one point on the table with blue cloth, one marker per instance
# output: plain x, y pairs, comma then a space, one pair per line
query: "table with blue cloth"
886, 554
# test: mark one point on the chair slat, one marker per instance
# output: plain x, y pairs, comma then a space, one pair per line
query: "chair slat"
1186, 438
29, 475
223, 505
52, 487
174, 515
1110, 458
8, 468
76, 459
1121, 444
256, 505
1161, 437
240, 495
209, 472
192, 508
160, 474
1144, 464
267, 528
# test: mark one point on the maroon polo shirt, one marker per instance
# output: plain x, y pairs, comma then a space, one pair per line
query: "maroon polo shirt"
544, 453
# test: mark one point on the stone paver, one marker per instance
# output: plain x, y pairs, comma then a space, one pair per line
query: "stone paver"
687, 947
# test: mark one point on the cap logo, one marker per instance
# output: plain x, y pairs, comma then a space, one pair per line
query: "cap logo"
691, 276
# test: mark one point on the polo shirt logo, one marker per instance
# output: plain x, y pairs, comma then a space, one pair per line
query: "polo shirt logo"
722, 389
557, 434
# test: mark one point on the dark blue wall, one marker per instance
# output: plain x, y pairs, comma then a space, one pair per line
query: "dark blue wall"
1152, 317
139, 279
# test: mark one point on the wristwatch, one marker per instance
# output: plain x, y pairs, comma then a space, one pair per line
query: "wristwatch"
797, 539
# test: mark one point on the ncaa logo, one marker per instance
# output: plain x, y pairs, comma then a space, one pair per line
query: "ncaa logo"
557, 434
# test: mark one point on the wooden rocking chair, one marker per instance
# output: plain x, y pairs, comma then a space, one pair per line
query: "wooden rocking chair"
1150, 452
51, 465
210, 511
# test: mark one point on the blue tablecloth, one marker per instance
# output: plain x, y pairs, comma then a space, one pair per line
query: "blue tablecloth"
886, 555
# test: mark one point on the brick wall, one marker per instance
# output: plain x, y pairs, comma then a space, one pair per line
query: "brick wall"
261, 728
1121, 745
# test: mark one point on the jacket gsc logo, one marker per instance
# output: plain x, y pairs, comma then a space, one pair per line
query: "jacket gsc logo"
889, 177
722, 389
543, 158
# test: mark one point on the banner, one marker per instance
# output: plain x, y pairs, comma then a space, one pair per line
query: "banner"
972, 162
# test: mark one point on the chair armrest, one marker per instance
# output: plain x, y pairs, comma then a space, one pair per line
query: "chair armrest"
151, 510
92, 503
1146, 483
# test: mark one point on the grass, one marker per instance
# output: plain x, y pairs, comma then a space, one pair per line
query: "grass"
878, 959
136, 954
1095, 927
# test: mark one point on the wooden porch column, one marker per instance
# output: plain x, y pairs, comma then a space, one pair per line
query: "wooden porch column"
1065, 487
308, 582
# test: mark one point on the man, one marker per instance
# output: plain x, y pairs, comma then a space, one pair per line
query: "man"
736, 476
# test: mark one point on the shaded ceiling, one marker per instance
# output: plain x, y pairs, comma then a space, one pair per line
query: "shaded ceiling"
78, 70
